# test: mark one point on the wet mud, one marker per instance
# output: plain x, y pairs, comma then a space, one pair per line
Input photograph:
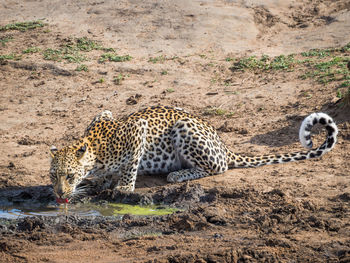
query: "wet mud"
233, 219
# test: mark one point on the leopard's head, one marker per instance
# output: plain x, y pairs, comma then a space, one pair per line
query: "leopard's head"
67, 171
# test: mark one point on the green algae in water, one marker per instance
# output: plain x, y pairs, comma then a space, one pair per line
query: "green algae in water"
118, 209
87, 209
153, 210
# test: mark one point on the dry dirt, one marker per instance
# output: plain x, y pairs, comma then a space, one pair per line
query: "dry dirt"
297, 212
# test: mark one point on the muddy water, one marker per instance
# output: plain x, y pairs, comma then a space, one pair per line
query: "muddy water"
90, 209
38, 200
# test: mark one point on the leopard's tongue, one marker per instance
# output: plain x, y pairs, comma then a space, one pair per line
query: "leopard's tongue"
62, 200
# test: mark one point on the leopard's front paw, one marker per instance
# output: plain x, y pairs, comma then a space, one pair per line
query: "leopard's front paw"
119, 190
124, 187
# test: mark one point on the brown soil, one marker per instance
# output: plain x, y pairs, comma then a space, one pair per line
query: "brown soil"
296, 212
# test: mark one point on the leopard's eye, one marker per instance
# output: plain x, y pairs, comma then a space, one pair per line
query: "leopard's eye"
70, 176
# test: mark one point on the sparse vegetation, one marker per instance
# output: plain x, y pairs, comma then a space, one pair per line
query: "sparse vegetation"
158, 59
316, 53
213, 80
345, 84
345, 48
108, 49
118, 79
307, 95
85, 44
31, 50
345, 101
339, 94
170, 90
323, 65
10, 57
71, 52
327, 71
67, 53
281, 62
52, 54
5, 39
214, 111
22, 26
73, 57
82, 67
114, 57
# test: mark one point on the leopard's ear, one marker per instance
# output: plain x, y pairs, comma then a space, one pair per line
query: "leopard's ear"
53, 151
81, 151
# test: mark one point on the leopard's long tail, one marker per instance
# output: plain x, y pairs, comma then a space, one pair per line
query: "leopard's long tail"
235, 160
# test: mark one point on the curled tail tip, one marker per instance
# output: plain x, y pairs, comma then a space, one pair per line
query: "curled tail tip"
313, 119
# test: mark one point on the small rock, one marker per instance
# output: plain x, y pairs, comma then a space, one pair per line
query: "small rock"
133, 99
225, 127
11, 165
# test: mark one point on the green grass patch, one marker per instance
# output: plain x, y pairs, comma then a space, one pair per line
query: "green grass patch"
265, 63
74, 57
10, 57
108, 49
345, 48
213, 111
68, 54
5, 39
113, 57
228, 59
85, 44
322, 65
170, 90
22, 26
82, 67
119, 78
159, 59
345, 84
316, 53
52, 54
31, 50
329, 70
74, 51
344, 96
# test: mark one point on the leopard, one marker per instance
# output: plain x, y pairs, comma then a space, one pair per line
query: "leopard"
166, 141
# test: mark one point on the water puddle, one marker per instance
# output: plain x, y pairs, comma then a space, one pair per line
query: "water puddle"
90, 209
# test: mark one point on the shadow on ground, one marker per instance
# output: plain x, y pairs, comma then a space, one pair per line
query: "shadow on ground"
290, 134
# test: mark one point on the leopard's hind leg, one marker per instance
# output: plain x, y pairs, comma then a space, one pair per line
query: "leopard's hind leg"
199, 149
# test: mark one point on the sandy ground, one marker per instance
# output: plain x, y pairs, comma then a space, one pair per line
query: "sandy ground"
288, 213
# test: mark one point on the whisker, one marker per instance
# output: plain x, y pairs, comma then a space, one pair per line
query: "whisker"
84, 187
79, 192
